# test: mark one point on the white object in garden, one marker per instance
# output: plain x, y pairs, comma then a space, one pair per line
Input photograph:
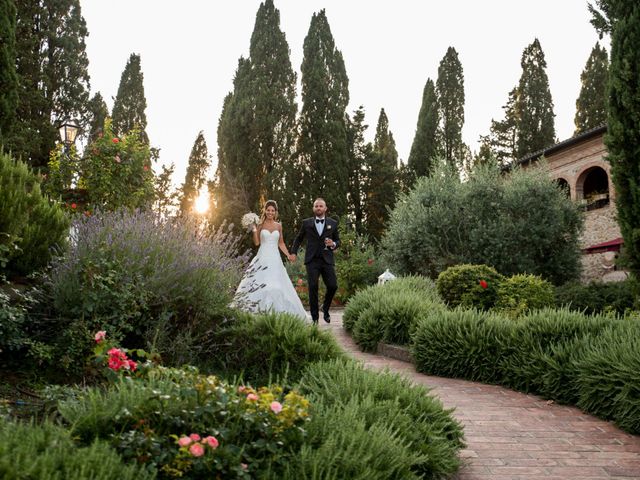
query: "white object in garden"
385, 277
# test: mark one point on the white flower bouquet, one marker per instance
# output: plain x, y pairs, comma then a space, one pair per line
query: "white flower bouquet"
249, 220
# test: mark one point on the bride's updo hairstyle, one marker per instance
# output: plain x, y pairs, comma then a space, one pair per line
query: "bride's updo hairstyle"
268, 203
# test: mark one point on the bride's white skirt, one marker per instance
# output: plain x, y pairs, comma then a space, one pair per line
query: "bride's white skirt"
266, 286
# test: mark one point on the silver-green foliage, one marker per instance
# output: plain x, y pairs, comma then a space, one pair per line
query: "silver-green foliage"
521, 222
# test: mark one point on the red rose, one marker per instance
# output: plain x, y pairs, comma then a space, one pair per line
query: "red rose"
115, 140
145, 168
483, 284
300, 281
370, 261
74, 206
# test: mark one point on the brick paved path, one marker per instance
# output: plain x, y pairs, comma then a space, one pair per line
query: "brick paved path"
512, 435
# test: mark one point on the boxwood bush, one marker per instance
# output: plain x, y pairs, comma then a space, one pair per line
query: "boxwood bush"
521, 293
470, 286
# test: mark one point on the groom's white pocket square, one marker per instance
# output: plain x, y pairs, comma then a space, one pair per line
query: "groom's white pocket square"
328, 227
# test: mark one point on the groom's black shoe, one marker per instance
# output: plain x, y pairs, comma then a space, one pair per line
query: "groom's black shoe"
327, 317
314, 321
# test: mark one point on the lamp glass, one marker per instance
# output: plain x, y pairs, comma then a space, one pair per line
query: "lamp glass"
68, 133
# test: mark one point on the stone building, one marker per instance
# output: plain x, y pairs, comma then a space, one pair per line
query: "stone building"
580, 166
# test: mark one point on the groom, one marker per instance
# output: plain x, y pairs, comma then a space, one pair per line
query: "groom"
322, 239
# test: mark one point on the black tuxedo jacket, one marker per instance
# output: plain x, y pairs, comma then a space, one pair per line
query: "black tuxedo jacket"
315, 242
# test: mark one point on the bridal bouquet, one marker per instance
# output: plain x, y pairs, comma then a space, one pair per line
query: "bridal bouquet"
249, 220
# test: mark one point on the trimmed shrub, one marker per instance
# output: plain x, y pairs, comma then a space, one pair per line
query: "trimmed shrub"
596, 297
520, 293
31, 226
47, 451
522, 222
269, 345
159, 418
346, 397
149, 282
469, 286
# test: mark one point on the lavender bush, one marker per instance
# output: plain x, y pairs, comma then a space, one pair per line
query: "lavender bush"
151, 281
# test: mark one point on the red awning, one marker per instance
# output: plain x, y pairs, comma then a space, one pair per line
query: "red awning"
610, 246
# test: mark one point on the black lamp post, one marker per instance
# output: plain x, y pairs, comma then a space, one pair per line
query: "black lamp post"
68, 133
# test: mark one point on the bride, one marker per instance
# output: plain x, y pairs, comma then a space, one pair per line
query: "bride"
266, 285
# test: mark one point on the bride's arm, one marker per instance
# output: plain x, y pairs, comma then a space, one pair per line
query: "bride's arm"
256, 234
281, 244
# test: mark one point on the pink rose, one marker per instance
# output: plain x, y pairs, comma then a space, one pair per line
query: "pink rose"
132, 365
184, 441
241, 388
244, 466
211, 441
195, 437
252, 397
196, 450
100, 336
276, 407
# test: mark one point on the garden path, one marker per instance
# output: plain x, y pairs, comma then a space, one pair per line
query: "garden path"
515, 436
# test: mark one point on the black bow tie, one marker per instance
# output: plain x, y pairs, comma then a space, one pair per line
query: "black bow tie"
319, 220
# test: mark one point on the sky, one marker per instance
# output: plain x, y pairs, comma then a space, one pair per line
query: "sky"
189, 53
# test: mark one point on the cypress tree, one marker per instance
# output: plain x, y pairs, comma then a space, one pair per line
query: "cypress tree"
165, 195
130, 103
8, 76
502, 140
533, 103
591, 105
623, 134
98, 113
382, 184
322, 145
195, 177
359, 158
273, 129
424, 146
450, 88
51, 63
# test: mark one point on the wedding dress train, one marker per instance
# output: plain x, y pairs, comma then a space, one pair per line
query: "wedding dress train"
266, 285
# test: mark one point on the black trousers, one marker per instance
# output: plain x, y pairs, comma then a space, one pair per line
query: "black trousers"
316, 268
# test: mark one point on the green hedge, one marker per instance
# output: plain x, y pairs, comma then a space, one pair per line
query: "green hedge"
469, 286
596, 297
29, 451
371, 425
591, 361
521, 293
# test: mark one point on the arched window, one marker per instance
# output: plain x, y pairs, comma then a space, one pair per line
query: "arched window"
564, 185
593, 188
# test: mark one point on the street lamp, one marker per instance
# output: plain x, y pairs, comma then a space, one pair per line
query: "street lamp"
68, 133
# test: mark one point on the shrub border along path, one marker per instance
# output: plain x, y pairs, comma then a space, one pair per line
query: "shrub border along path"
512, 435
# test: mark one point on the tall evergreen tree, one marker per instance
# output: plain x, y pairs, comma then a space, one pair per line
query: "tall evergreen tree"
382, 184
359, 158
98, 113
591, 105
273, 130
424, 148
533, 104
8, 76
257, 128
623, 134
504, 133
450, 88
165, 195
195, 178
51, 63
129, 108
322, 145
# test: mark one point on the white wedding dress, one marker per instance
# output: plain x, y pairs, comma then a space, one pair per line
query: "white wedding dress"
266, 285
